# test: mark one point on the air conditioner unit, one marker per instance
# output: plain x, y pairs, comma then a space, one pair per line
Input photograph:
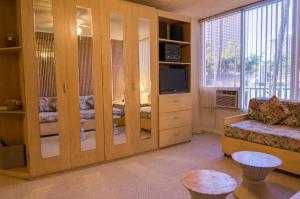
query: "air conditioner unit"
227, 99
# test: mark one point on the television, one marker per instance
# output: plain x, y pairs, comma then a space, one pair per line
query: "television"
173, 80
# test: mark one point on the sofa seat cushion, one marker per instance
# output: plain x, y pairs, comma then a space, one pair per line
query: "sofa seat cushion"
49, 117
279, 136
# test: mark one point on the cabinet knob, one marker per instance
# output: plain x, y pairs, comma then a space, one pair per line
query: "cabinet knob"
175, 101
175, 118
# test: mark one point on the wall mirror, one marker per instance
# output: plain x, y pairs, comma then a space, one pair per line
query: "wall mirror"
85, 78
118, 80
145, 78
48, 103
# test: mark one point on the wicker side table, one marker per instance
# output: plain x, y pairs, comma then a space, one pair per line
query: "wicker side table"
256, 166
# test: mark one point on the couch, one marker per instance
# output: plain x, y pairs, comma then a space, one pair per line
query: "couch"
249, 132
48, 115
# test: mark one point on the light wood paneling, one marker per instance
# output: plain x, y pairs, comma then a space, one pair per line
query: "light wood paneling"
175, 119
175, 136
175, 102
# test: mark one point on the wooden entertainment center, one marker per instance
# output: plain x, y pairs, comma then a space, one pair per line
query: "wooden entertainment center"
175, 110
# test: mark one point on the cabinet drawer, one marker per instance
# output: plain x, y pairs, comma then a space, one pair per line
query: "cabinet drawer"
176, 102
175, 119
175, 136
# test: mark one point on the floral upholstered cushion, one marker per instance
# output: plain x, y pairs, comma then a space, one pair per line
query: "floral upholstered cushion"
86, 102
253, 109
294, 118
273, 111
48, 104
279, 136
293, 106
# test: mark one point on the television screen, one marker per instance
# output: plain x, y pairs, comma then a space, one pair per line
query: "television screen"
173, 80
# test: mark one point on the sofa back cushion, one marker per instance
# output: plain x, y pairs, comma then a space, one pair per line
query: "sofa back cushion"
293, 119
48, 104
86, 102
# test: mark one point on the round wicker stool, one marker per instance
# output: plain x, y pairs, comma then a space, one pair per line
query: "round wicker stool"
256, 166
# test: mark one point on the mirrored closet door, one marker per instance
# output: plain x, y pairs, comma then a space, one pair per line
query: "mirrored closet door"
146, 39
48, 38
85, 82
118, 102
129, 65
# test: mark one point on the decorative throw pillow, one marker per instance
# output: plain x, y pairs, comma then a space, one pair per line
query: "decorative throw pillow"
48, 104
86, 102
294, 118
273, 111
253, 108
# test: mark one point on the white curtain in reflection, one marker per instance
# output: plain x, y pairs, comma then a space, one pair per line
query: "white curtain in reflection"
145, 70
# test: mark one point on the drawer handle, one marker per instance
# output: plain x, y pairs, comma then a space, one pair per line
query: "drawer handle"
175, 118
176, 134
175, 101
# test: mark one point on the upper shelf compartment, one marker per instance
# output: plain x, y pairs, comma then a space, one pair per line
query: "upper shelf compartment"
174, 29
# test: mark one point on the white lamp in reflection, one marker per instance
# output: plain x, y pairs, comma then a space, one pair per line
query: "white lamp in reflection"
79, 31
144, 94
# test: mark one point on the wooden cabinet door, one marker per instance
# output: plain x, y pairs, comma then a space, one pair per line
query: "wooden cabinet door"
84, 81
144, 39
118, 79
44, 38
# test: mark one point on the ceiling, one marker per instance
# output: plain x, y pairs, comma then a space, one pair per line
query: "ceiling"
198, 9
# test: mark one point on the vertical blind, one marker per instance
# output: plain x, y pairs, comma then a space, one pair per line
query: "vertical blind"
222, 51
255, 45
269, 51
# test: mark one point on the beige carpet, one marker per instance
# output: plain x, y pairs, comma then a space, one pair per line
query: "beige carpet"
153, 175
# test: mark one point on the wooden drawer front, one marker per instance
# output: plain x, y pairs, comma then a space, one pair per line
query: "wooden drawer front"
176, 102
175, 136
175, 119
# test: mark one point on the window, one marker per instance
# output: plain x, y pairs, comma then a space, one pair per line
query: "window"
222, 51
256, 46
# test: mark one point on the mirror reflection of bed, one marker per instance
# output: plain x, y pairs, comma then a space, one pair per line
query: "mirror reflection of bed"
48, 103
